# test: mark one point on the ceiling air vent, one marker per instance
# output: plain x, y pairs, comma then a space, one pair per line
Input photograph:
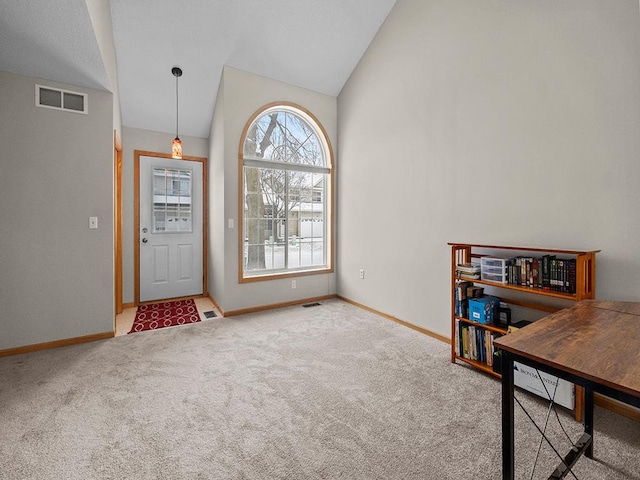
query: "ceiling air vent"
49, 97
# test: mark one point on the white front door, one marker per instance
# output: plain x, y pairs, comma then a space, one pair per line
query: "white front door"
170, 228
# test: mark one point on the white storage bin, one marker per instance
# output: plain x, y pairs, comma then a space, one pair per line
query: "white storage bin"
494, 269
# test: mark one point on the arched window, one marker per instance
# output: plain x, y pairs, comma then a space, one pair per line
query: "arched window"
286, 168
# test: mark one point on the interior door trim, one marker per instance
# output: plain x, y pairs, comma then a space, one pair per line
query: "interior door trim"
117, 223
136, 217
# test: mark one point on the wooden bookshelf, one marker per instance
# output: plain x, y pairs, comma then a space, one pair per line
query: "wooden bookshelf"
529, 297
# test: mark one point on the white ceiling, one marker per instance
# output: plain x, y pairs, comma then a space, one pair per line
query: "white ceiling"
314, 44
53, 40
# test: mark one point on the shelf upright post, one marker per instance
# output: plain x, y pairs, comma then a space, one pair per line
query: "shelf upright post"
585, 276
454, 256
460, 254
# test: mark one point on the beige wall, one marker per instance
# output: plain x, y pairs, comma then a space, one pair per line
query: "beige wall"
499, 122
56, 275
100, 13
241, 96
147, 140
509, 122
217, 228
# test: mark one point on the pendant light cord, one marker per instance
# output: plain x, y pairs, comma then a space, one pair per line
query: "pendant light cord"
177, 100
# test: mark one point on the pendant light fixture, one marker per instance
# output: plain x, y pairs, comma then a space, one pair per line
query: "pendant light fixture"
176, 145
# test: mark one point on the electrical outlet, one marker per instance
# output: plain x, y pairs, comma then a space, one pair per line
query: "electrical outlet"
293, 284
361, 274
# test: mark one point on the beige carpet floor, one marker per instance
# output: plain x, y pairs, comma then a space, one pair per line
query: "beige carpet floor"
329, 392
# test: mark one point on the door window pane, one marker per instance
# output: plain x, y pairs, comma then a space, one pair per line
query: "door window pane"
172, 200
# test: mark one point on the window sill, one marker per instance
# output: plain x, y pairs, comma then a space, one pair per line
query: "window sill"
278, 276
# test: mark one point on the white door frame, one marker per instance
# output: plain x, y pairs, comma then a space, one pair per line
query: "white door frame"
136, 217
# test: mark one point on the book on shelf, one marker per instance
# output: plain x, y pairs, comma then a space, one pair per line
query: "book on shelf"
461, 298
572, 276
474, 343
534, 279
518, 325
475, 292
474, 276
468, 270
546, 272
553, 269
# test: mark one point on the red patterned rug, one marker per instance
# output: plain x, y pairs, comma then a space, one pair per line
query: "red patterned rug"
165, 314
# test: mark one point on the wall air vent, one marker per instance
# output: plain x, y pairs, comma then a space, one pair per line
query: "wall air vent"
56, 98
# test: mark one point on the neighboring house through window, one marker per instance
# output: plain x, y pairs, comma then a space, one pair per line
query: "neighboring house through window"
286, 169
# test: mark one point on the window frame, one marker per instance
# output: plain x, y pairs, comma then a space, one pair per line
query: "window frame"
328, 200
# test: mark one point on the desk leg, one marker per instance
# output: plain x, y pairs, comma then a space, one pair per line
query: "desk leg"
508, 442
588, 418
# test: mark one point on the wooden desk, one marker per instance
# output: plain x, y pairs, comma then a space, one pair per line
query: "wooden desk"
593, 344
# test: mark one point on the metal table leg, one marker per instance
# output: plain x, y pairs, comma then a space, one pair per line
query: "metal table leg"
588, 418
508, 441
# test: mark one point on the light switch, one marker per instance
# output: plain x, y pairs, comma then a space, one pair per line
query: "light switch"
231, 223
93, 223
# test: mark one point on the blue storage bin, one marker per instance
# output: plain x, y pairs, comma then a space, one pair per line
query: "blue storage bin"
484, 309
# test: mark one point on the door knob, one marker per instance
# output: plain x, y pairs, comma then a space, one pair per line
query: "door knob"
144, 240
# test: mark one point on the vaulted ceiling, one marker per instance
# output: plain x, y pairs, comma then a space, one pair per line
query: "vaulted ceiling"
314, 44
